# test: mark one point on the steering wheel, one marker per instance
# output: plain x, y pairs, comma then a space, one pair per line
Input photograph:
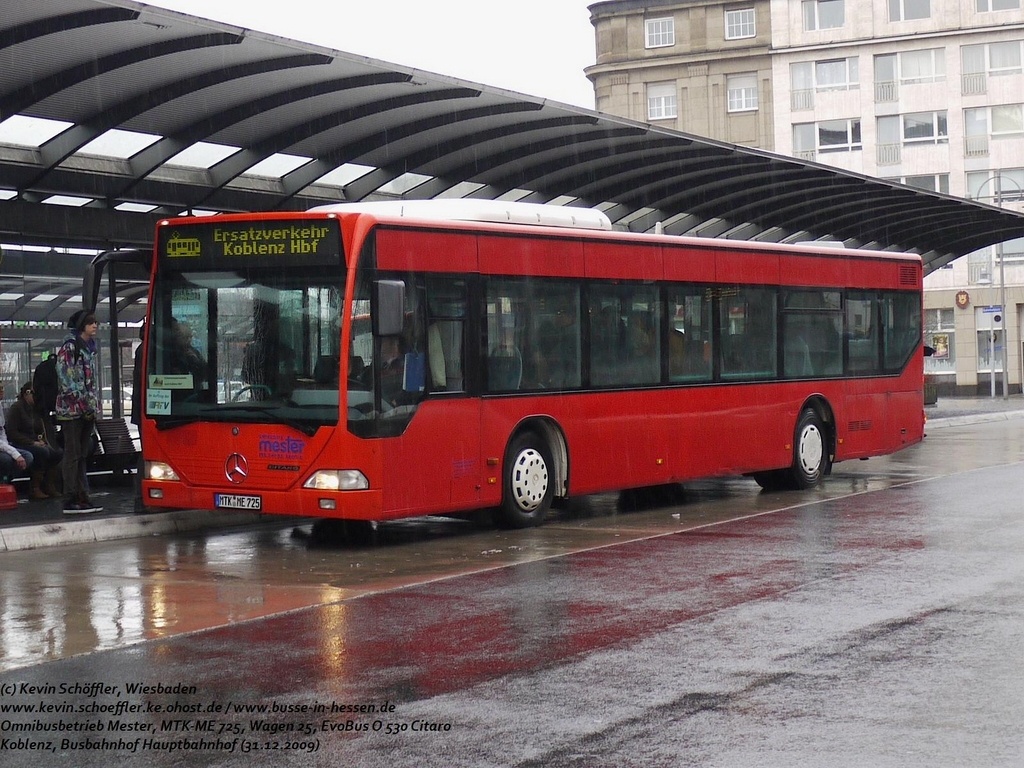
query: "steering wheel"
251, 390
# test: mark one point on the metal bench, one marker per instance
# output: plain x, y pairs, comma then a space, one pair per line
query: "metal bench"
116, 452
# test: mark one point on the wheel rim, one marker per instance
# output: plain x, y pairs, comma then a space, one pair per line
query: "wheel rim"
810, 450
529, 481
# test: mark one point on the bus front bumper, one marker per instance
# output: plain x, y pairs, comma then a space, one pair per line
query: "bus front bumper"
299, 502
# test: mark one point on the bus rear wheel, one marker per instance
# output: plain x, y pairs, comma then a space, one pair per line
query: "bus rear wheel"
527, 488
811, 461
810, 450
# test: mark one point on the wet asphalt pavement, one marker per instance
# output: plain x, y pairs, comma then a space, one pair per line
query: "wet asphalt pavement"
875, 622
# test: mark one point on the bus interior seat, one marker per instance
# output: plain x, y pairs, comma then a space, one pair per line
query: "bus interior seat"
325, 371
444, 349
356, 368
435, 353
504, 369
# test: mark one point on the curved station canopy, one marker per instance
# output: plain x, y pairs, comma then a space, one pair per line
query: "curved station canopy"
114, 114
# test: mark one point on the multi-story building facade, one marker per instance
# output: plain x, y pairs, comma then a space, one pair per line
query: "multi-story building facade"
929, 93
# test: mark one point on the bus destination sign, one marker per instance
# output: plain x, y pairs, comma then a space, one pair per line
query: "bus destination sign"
244, 243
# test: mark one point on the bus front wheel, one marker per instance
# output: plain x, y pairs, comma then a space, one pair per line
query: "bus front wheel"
810, 450
527, 484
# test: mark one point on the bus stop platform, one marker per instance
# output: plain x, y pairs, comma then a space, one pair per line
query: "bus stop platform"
35, 524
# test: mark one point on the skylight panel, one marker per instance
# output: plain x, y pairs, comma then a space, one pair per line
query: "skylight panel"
24, 131
344, 174
135, 207
403, 183
118, 144
68, 200
203, 155
460, 190
277, 165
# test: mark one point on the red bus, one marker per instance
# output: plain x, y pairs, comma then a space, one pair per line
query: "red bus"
369, 362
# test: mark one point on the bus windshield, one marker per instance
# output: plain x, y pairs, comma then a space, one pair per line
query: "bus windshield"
257, 340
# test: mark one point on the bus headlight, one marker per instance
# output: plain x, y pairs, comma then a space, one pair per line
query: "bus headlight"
337, 480
158, 470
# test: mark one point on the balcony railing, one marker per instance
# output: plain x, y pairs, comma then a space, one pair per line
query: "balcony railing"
889, 154
802, 99
975, 146
973, 84
887, 91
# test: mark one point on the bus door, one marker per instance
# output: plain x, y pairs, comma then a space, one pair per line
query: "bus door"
431, 429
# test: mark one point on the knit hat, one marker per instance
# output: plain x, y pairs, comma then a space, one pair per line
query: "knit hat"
80, 319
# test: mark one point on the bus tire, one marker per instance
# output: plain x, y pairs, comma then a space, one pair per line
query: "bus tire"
333, 532
527, 483
810, 450
774, 480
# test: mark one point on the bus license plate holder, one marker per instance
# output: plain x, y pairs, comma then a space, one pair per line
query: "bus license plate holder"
237, 501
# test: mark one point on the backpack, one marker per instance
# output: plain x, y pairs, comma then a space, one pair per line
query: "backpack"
44, 384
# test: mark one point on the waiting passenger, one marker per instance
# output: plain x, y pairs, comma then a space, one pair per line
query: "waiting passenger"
13, 460
25, 431
77, 407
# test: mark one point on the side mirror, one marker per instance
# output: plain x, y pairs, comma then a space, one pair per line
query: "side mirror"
389, 314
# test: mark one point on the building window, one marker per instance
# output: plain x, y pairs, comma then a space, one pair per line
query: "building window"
807, 77
823, 14
810, 139
934, 182
742, 92
925, 128
940, 335
836, 75
997, 186
1007, 119
661, 101
984, 6
925, 66
839, 135
660, 33
908, 10
739, 24
907, 68
985, 123
1005, 58
991, 60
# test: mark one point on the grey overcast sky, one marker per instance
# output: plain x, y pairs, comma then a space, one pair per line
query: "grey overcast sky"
535, 47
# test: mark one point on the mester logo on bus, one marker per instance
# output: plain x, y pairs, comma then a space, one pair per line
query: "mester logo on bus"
280, 447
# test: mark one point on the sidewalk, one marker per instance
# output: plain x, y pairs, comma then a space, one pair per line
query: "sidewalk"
43, 524
36, 524
953, 411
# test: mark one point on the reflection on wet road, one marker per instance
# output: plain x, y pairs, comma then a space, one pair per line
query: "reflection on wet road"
876, 620
70, 600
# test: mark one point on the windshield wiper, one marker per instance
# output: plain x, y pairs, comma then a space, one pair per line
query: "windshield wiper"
304, 427
223, 413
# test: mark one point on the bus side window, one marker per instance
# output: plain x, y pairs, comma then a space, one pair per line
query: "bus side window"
901, 316
446, 314
689, 354
557, 359
748, 320
811, 333
862, 333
